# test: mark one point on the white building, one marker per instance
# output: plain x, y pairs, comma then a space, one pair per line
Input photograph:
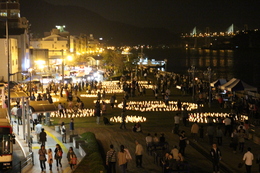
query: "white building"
18, 31
13, 57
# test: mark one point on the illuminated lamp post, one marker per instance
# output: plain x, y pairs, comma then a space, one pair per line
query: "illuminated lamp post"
192, 70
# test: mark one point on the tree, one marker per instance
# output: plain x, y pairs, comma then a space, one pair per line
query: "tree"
113, 60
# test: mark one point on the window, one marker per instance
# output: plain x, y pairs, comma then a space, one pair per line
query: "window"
3, 13
14, 13
5, 143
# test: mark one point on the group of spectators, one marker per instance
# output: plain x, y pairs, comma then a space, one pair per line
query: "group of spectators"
48, 156
122, 157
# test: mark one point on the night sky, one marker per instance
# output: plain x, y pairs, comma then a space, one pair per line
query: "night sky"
176, 15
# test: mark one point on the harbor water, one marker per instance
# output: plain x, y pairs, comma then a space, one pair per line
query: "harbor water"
226, 64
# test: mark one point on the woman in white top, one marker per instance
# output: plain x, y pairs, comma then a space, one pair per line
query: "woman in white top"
63, 132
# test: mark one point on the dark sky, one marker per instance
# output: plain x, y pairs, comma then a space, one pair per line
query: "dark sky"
176, 15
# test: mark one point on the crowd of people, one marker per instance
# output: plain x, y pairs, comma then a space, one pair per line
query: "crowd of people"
47, 156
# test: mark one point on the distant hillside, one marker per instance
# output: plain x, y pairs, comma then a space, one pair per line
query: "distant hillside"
44, 16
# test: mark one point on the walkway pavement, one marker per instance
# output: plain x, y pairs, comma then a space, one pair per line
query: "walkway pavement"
230, 160
53, 138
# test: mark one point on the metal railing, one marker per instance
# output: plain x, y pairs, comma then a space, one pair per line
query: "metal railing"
17, 168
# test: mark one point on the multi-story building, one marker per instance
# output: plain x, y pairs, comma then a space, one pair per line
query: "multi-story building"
13, 56
59, 44
16, 28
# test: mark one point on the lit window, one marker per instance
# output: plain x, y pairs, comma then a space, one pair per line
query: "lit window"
14, 13
3, 13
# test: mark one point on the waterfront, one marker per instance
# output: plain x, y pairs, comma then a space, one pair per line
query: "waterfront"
241, 64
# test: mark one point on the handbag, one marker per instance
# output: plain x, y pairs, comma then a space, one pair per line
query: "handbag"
110, 158
187, 142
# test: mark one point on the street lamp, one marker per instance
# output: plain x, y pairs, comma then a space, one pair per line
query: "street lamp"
209, 73
192, 70
30, 71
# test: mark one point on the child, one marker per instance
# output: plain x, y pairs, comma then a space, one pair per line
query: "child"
73, 161
50, 159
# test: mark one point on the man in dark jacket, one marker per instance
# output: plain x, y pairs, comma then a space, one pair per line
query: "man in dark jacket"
19, 115
43, 137
216, 157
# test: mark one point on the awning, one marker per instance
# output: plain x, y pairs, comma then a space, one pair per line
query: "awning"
14, 94
42, 107
237, 85
218, 82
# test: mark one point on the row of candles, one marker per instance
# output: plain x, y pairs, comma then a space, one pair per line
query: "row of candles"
157, 106
214, 117
70, 113
104, 100
128, 119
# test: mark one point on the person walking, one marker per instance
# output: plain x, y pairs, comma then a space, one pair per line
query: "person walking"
63, 132
19, 115
72, 126
14, 113
241, 139
219, 135
111, 160
43, 137
128, 156
228, 129
182, 142
121, 157
61, 109
185, 116
195, 131
112, 101
123, 120
58, 155
70, 156
210, 133
216, 157
138, 154
42, 157
50, 158
176, 123
38, 129
248, 159
234, 140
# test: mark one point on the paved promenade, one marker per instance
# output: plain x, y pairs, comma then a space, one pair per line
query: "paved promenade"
197, 153
53, 138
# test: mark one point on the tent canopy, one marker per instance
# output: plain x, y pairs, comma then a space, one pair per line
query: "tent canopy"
237, 85
218, 82
15, 94
42, 106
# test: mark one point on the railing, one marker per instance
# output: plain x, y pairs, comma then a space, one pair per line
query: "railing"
17, 168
